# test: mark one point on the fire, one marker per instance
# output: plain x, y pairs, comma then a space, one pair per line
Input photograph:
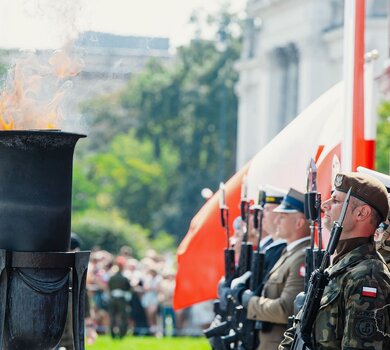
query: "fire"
34, 92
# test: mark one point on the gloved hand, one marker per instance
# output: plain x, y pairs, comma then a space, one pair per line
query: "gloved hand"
238, 286
246, 296
240, 280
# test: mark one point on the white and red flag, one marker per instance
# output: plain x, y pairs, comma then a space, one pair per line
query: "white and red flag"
369, 292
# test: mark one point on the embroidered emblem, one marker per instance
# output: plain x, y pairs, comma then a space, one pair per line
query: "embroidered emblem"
338, 181
365, 327
369, 292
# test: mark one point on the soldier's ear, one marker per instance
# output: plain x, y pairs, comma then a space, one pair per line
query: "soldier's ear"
300, 222
362, 212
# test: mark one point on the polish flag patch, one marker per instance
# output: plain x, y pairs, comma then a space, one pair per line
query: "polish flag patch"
369, 292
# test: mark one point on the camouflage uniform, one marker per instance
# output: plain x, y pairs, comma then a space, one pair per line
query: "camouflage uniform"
348, 318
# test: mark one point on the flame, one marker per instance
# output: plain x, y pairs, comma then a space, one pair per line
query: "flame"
34, 92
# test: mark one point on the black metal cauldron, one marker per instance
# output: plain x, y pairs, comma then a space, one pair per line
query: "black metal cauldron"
35, 219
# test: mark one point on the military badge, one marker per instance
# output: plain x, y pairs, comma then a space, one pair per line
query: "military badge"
338, 181
365, 328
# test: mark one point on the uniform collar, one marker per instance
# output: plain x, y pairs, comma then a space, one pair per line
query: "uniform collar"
347, 245
265, 242
362, 252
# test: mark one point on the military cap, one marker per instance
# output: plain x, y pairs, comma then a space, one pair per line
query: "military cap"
273, 195
366, 188
293, 202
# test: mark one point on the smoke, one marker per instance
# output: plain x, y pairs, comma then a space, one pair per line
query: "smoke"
38, 86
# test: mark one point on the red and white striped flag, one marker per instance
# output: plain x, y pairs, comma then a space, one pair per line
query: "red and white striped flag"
369, 292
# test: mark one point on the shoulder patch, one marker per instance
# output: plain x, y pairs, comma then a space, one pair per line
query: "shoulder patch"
369, 292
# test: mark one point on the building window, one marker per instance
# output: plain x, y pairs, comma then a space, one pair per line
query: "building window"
283, 87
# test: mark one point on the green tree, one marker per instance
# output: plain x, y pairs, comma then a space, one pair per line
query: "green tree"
108, 230
383, 139
126, 177
193, 107
184, 116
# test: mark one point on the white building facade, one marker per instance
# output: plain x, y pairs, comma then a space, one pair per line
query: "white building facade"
293, 52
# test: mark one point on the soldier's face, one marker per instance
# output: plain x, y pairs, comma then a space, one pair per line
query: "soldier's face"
269, 217
286, 225
332, 209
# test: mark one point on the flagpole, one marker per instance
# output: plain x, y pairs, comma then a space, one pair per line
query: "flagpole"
359, 146
348, 70
370, 114
354, 151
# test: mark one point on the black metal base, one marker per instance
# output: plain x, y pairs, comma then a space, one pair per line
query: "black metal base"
29, 269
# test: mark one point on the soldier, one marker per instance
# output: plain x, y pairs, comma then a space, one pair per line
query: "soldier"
120, 295
353, 312
274, 246
286, 278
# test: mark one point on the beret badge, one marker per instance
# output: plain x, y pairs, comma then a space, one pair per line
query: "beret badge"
338, 181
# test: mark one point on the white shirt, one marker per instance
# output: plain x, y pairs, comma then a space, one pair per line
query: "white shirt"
264, 241
292, 245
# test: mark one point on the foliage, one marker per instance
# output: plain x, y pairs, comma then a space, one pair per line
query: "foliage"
107, 120
125, 176
110, 231
167, 135
147, 343
193, 108
383, 139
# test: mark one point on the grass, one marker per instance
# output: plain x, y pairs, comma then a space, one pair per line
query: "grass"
149, 343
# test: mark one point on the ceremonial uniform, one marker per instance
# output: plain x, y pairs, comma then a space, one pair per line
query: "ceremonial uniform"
286, 280
272, 255
353, 312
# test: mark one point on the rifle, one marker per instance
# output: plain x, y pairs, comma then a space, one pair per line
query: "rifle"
318, 281
248, 333
228, 252
244, 336
223, 308
244, 265
244, 262
257, 265
313, 255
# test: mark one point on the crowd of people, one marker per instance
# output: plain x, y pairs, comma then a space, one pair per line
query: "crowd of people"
135, 296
